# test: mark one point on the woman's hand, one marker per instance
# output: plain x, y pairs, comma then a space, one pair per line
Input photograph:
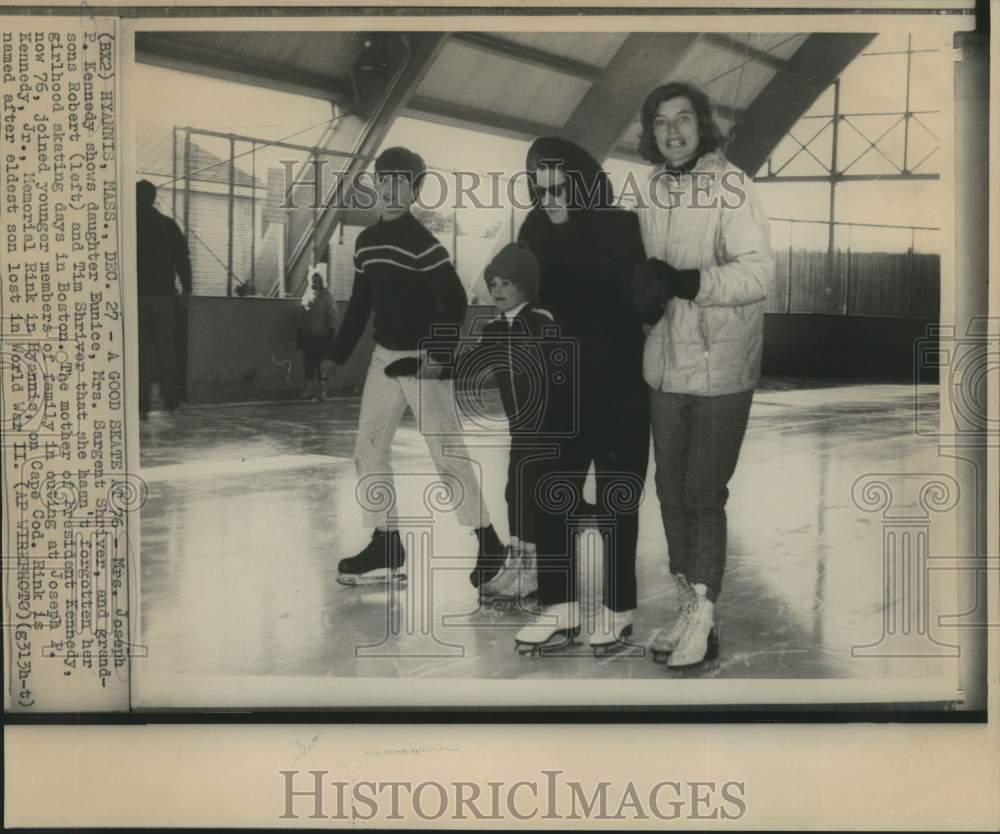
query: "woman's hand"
650, 290
683, 283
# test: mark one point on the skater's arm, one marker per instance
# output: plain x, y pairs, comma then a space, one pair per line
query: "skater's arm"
450, 300
359, 309
449, 305
746, 267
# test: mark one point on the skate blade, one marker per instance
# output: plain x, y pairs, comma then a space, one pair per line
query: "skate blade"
371, 578
661, 656
619, 644
557, 642
711, 653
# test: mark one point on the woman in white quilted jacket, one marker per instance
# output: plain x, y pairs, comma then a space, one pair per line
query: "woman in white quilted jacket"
702, 289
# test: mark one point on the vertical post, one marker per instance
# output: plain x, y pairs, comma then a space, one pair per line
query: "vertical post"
187, 187
173, 173
967, 425
847, 274
317, 190
253, 217
911, 276
232, 197
788, 282
833, 187
906, 108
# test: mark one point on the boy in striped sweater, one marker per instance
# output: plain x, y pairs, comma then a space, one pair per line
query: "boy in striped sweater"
403, 276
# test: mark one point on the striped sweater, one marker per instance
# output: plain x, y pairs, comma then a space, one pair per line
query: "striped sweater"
405, 277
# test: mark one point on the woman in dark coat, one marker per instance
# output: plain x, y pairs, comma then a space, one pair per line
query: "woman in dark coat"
587, 250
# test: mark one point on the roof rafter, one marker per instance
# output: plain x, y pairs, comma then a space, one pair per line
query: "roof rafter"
170, 53
528, 55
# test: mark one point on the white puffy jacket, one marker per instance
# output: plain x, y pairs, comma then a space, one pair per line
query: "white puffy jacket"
712, 220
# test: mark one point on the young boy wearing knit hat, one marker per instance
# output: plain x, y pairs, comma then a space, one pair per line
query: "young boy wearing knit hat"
519, 347
405, 278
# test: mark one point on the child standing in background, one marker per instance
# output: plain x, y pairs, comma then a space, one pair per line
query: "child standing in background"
317, 328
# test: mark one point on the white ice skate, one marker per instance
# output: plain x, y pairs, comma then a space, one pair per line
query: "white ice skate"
556, 627
699, 642
666, 639
611, 630
516, 580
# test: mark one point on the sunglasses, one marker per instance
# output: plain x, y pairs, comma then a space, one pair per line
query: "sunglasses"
557, 190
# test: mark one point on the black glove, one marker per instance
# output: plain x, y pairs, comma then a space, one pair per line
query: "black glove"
650, 290
683, 283
407, 366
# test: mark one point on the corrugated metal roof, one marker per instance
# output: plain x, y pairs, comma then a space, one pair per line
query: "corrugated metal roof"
596, 49
780, 45
730, 78
326, 53
520, 83
468, 77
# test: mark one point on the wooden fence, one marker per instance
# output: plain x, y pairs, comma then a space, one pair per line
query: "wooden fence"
898, 284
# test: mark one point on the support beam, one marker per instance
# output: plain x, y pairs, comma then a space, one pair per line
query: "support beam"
528, 55
642, 62
813, 68
731, 44
473, 118
847, 178
412, 54
968, 430
170, 53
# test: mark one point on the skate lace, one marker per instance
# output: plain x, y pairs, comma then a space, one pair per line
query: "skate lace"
695, 624
679, 625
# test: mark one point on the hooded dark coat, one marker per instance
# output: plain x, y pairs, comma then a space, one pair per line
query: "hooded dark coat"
586, 269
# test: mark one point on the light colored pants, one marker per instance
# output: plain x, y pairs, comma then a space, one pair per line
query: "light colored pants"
383, 404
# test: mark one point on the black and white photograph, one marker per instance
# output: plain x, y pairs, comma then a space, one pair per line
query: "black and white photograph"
537, 415
522, 357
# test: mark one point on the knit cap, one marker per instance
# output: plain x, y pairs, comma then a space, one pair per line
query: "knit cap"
516, 264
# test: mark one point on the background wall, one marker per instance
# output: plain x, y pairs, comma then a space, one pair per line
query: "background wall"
244, 348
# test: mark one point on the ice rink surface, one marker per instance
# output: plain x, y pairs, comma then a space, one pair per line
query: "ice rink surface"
252, 505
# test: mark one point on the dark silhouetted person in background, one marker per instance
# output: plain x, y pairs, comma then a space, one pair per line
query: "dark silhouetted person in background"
162, 255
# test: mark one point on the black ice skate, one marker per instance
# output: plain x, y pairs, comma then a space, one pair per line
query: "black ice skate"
491, 557
380, 562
